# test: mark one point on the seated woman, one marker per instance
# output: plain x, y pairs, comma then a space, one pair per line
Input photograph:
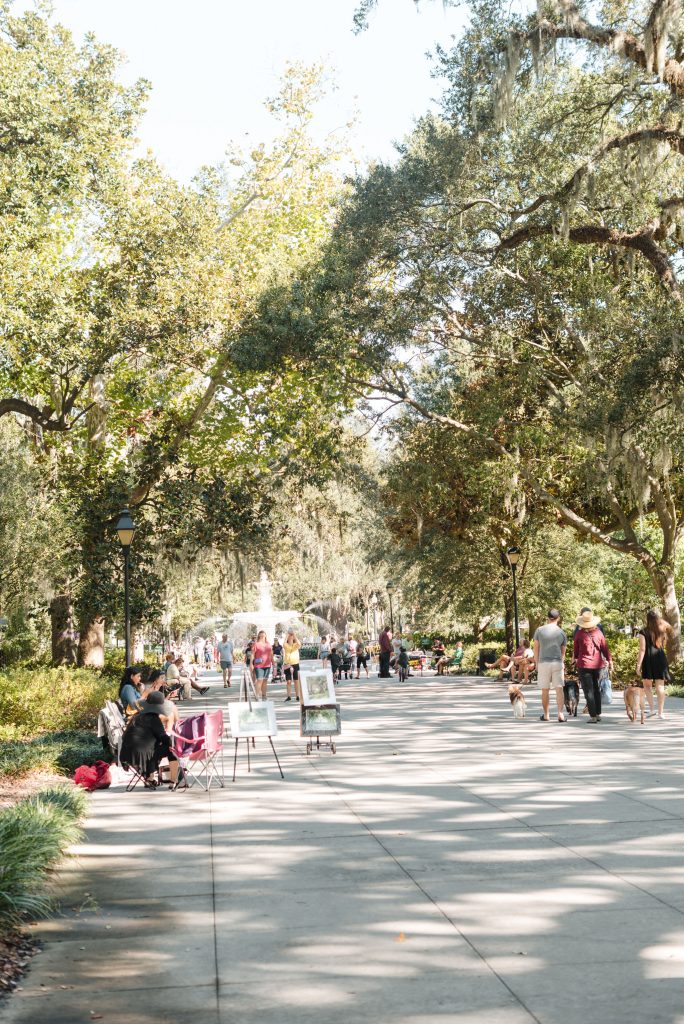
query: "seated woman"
504, 664
523, 661
155, 684
145, 743
130, 690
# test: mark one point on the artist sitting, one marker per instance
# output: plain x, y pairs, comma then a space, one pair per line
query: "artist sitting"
504, 664
145, 742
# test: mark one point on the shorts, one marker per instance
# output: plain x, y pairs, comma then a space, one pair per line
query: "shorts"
263, 673
550, 673
292, 672
226, 664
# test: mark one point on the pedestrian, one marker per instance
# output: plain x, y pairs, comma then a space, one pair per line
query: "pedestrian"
209, 653
550, 643
291, 662
226, 648
278, 656
402, 664
591, 653
324, 650
350, 653
385, 640
652, 660
262, 659
361, 659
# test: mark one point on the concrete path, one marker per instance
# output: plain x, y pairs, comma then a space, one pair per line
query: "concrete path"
448, 864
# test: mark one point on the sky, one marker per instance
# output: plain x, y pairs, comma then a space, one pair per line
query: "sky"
213, 62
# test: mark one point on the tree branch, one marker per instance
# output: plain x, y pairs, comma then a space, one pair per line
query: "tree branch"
641, 241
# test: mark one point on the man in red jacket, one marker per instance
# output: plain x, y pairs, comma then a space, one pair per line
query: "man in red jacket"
385, 640
590, 654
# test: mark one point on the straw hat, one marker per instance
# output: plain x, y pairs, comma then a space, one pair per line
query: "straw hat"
587, 620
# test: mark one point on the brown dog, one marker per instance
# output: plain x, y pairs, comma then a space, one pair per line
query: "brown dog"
517, 700
634, 701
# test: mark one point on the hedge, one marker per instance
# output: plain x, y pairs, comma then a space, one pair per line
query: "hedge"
35, 833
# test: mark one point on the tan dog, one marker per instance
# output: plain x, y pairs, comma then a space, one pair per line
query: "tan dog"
517, 700
634, 701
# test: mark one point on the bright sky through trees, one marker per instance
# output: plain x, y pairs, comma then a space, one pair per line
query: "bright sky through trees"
213, 63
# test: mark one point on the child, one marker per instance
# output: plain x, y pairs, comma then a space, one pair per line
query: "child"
336, 664
403, 662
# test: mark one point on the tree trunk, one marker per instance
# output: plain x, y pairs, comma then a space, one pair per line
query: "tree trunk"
664, 585
91, 642
64, 646
533, 622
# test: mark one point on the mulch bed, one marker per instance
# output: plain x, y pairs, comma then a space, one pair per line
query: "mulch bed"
16, 951
12, 790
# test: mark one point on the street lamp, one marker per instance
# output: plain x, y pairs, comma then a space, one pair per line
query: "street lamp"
390, 588
374, 604
513, 558
126, 530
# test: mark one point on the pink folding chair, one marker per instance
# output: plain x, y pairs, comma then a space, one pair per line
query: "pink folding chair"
197, 743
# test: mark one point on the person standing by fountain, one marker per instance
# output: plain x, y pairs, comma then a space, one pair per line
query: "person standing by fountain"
225, 653
292, 646
262, 659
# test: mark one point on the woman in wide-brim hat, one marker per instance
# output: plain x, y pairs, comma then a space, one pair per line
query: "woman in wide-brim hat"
145, 742
590, 655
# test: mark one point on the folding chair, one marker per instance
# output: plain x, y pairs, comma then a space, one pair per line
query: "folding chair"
111, 725
198, 742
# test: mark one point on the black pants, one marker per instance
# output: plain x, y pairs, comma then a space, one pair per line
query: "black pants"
384, 665
589, 678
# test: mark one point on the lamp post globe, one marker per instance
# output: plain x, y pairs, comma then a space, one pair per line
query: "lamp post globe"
125, 529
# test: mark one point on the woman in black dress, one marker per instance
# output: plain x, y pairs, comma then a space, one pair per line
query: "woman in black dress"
652, 660
145, 743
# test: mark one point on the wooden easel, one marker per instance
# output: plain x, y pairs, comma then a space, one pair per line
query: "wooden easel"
247, 694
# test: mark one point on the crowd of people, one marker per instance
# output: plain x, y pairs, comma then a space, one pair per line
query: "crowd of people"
591, 663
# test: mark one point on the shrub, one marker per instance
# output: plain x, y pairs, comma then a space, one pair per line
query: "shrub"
33, 700
34, 835
60, 752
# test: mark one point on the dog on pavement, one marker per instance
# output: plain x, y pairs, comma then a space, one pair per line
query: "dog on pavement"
634, 701
517, 700
571, 697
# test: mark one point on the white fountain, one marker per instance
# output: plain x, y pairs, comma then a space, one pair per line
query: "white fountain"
266, 616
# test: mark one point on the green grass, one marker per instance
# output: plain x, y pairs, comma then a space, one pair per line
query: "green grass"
60, 752
34, 835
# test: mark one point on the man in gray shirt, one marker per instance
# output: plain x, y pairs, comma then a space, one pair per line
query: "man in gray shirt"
549, 654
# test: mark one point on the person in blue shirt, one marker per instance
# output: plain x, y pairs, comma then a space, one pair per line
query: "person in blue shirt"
130, 689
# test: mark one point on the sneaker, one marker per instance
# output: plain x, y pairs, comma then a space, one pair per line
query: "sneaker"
203, 690
650, 714
598, 718
287, 698
592, 721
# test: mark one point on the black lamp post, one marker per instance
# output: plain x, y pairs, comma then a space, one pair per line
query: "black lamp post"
126, 530
390, 588
513, 557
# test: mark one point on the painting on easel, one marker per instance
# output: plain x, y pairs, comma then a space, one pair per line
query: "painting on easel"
257, 719
321, 721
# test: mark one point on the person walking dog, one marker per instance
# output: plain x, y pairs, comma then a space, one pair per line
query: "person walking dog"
590, 654
549, 655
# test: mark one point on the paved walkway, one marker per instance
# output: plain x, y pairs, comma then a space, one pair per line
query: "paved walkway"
449, 864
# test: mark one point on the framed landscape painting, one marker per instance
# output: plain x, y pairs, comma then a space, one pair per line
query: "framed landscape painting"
257, 720
317, 687
321, 721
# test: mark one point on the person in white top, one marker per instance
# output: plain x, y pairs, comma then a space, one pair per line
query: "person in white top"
225, 649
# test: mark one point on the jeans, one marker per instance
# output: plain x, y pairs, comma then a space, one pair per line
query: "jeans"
263, 673
589, 678
384, 665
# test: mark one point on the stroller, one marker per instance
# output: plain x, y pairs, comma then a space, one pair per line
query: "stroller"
346, 666
277, 676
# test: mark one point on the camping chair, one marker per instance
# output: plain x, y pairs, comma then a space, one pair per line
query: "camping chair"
111, 725
198, 741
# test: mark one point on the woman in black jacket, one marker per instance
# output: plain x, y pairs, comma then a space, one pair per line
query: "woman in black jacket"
145, 743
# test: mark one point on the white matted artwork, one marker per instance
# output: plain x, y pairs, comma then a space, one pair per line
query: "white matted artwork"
259, 719
317, 687
321, 721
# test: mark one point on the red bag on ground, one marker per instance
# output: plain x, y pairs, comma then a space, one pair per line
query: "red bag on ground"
96, 776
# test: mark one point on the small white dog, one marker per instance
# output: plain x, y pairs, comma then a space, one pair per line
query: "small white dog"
517, 700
